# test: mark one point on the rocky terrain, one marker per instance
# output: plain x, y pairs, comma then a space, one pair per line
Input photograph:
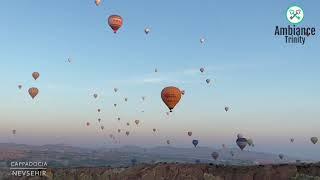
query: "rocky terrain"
174, 171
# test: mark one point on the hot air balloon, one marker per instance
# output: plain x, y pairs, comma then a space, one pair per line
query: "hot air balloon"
115, 22
195, 142
155, 70
202, 40
14, 131
250, 142
115, 105
182, 92
119, 130
281, 156
143, 98
154, 130
69, 60
128, 124
19, 86
99, 119
232, 153
127, 133
167, 113
137, 122
242, 143
239, 136
115, 89
168, 141
35, 75
171, 96
88, 124
292, 140
215, 155
224, 146
33, 92
126, 99
226, 108
102, 127
95, 96
202, 70
314, 140
97, 2
189, 133
147, 30
208, 81
118, 118
98, 110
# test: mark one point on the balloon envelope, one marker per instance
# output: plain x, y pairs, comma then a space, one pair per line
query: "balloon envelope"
250, 142
242, 143
147, 30
239, 135
195, 142
281, 156
226, 108
35, 75
314, 140
97, 2
33, 92
115, 22
215, 155
171, 96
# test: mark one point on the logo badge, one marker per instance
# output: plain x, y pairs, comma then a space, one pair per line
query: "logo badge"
295, 14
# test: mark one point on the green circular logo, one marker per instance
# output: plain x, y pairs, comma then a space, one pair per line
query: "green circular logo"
295, 14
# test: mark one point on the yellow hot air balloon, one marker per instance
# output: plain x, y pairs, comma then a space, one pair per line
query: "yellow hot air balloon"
35, 75
171, 96
33, 92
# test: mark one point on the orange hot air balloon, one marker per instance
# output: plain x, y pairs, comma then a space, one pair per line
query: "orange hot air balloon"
171, 96
35, 75
115, 22
33, 92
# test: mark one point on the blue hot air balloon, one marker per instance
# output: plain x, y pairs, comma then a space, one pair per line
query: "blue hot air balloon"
195, 142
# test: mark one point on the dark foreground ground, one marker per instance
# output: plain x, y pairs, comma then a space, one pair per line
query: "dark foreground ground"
162, 171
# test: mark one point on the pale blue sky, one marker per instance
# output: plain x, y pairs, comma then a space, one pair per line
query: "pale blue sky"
272, 87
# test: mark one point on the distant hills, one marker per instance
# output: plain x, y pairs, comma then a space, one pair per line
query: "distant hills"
60, 155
